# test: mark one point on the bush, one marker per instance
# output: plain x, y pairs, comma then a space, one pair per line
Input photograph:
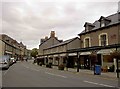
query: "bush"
61, 67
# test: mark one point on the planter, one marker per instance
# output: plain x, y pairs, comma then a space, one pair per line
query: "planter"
61, 67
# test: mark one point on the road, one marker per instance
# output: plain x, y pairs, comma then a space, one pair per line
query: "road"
26, 74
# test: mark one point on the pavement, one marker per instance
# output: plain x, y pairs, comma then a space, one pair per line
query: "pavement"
90, 72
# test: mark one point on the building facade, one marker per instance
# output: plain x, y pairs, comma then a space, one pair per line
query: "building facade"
11, 47
102, 33
58, 55
97, 43
47, 42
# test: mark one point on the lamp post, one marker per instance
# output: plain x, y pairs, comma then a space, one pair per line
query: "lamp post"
117, 68
78, 62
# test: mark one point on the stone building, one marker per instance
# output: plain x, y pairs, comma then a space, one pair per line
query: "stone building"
47, 42
57, 54
11, 47
98, 41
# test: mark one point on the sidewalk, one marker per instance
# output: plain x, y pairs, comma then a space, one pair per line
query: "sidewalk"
85, 71
90, 72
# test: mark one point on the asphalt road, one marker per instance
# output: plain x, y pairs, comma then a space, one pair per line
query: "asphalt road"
26, 74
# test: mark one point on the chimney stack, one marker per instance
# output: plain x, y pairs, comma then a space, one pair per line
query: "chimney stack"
52, 34
46, 37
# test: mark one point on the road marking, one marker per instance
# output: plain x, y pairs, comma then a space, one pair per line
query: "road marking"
98, 84
55, 74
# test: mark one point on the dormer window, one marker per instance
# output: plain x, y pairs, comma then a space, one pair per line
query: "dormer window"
104, 21
88, 26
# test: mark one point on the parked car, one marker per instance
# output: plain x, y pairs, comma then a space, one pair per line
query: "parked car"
12, 60
4, 62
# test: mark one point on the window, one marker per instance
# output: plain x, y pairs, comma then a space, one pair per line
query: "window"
102, 24
103, 40
87, 28
87, 42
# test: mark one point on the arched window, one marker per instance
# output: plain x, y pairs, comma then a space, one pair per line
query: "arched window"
87, 42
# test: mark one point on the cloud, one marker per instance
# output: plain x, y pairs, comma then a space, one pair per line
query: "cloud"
29, 21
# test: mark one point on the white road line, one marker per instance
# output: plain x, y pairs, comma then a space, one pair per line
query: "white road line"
55, 75
98, 84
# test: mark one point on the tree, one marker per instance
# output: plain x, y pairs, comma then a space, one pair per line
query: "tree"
34, 52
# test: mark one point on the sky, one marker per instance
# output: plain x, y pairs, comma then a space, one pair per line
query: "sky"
31, 20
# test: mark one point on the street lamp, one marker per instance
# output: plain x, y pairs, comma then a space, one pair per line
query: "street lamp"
78, 62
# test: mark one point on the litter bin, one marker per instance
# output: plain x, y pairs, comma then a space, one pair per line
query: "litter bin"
97, 70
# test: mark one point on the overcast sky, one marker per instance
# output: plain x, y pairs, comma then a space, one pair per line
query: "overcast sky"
30, 20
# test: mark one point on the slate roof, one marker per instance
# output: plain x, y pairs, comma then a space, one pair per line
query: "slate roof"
63, 43
48, 39
114, 18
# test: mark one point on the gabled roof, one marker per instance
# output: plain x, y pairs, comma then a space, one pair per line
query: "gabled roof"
114, 20
63, 43
87, 23
49, 39
102, 17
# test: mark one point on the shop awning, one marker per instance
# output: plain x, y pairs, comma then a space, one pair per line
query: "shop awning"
50, 56
106, 51
45, 56
55, 55
72, 54
63, 54
85, 53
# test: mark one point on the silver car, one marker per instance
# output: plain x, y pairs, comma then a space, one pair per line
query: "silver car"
12, 60
4, 62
